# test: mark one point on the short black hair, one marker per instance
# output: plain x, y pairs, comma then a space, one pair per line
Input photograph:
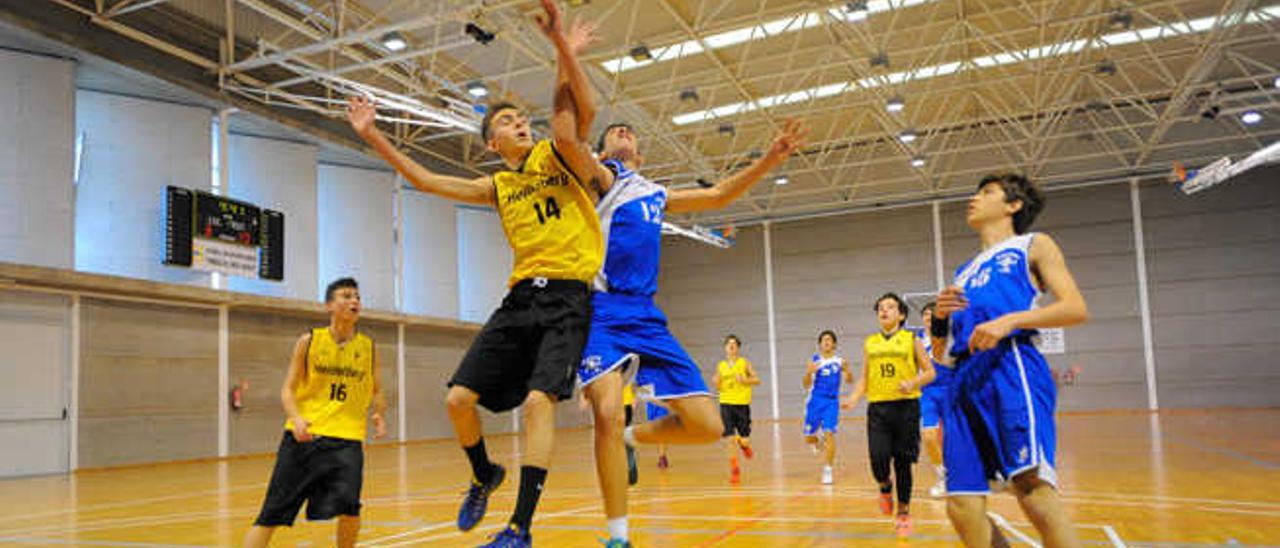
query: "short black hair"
928, 307
734, 338
490, 112
826, 332
339, 284
902, 305
1018, 188
600, 141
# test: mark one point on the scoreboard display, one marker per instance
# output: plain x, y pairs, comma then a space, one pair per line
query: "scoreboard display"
215, 233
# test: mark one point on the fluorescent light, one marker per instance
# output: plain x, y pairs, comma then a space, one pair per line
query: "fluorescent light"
477, 89
757, 32
1251, 117
917, 162
781, 180
1276, 83
907, 135
1194, 26
895, 104
394, 41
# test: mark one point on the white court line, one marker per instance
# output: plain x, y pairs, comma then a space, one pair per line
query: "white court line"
1116, 541
1004, 524
1240, 511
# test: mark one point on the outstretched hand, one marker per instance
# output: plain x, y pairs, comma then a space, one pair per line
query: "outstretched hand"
549, 21
361, 114
581, 34
789, 140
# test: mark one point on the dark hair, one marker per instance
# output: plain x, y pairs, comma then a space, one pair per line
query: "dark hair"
490, 112
826, 332
902, 305
600, 141
339, 284
734, 338
1018, 188
928, 307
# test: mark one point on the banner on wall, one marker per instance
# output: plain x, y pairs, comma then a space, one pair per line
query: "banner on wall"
1052, 340
223, 257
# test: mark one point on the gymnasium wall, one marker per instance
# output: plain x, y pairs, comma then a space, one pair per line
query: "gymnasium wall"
37, 106
148, 383
430, 255
280, 175
1213, 272
828, 274
132, 149
355, 232
709, 293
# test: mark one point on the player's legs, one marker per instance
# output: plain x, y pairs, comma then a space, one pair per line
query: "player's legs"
259, 536
933, 444
461, 403
605, 394
880, 451
347, 531
1043, 507
693, 420
830, 453
968, 514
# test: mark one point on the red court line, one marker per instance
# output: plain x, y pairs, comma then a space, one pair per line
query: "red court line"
755, 519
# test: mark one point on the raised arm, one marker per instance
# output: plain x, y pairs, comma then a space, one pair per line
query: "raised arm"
296, 373
1067, 309
729, 189
478, 191
573, 108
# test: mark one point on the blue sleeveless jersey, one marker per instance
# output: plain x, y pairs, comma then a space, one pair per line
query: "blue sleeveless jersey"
631, 218
826, 381
996, 282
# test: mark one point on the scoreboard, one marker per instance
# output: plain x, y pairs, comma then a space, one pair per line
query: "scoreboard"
214, 233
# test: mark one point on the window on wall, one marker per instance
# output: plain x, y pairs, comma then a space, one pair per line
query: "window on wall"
484, 262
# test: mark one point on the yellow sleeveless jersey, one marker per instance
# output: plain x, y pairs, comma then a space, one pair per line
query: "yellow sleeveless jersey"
550, 220
336, 392
890, 360
731, 391
628, 394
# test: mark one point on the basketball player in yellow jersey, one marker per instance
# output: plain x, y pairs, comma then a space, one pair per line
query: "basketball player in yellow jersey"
894, 368
734, 379
528, 351
331, 383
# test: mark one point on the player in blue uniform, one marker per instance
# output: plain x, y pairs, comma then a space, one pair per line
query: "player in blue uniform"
998, 424
628, 331
932, 399
822, 404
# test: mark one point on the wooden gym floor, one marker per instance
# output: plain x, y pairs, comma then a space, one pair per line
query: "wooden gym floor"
1188, 478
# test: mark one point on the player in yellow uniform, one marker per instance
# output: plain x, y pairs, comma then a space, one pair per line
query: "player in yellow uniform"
734, 379
331, 384
894, 368
528, 351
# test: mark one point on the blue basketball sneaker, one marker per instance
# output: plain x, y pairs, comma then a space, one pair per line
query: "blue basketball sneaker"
477, 501
510, 537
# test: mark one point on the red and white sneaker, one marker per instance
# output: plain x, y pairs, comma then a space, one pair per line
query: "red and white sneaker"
902, 525
886, 504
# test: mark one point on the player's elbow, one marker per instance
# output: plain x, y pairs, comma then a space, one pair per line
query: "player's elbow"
1078, 312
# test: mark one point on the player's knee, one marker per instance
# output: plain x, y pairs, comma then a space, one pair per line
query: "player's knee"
608, 417
707, 427
460, 399
538, 402
963, 510
1028, 482
811, 439
930, 435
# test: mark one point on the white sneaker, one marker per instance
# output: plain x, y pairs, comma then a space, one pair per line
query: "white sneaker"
826, 476
939, 489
